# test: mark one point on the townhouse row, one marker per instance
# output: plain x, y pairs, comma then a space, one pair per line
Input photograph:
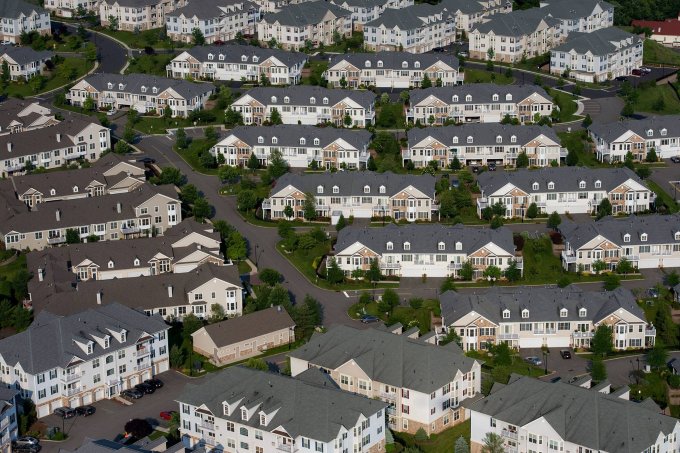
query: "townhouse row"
20, 16
17, 115
217, 20
24, 63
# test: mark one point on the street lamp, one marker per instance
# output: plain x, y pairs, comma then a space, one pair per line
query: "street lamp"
545, 361
638, 363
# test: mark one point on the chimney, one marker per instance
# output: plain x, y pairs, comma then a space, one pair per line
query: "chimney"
169, 290
99, 297
119, 207
9, 147
41, 274
58, 214
58, 138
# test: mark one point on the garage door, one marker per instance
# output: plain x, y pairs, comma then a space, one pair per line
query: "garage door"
362, 213
558, 342
99, 394
43, 410
87, 398
531, 342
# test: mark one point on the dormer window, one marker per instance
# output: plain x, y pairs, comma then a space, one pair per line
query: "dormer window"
508, 97
663, 132
650, 132
389, 246
506, 314
107, 341
221, 57
319, 189
499, 139
494, 97
244, 414
407, 246
274, 100
211, 57
380, 63
317, 141
303, 141
416, 64
53, 192
404, 64
325, 101
367, 189
469, 139
459, 245
525, 314
454, 98
582, 185
626, 237
468, 98
244, 58
275, 140
109, 86
643, 237
551, 185
440, 246
110, 265
534, 186
90, 348
260, 139
598, 184
121, 86
154, 90
75, 189
513, 139
286, 100
382, 189
143, 89
263, 419
123, 336
336, 189
136, 261
677, 235
455, 140
256, 59
225, 408
582, 312
312, 100
367, 64
563, 313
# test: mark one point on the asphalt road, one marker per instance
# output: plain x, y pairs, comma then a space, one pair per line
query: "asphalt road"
112, 56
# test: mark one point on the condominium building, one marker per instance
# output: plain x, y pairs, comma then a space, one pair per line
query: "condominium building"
24, 62
482, 144
20, 16
9, 418
583, 16
479, 103
136, 15
18, 115
528, 414
142, 92
299, 145
350, 193
85, 357
423, 384
363, 11
238, 62
646, 242
146, 211
72, 8
574, 190
614, 140
246, 409
217, 20
51, 147
598, 56
307, 105
392, 70
468, 13
534, 317
433, 250
311, 23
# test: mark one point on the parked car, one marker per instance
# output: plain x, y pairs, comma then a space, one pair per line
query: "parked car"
111, 112
167, 415
675, 159
157, 383
463, 54
475, 169
645, 70
27, 441
438, 50
534, 360
145, 388
455, 183
555, 379
131, 394
621, 78
65, 412
146, 160
653, 292
85, 411
368, 319
566, 354
636, 72
492, 166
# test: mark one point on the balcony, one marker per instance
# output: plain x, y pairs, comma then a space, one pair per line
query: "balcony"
509, 434
568, 258
454, 266
143, 366
56, 240
390, 266
508, 336
73, 391
287, 448
650, 331
519, 261
583, 334
70, 377
388, 396
208, 425
391, 410
142, 352
266, 204
130, 229
631, 257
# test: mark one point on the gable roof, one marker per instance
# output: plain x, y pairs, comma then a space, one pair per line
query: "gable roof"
234, 53
307, 13
209, 9
22, 55
483, 134
385, 357
394, 60
668, 27
133, 83
480, 92
290, 135
574, 9
14, 8
405, 18
517, 23
647, 128
598, 42
300, 95
248, 326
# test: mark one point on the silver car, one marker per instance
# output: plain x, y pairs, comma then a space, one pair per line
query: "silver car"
534, 360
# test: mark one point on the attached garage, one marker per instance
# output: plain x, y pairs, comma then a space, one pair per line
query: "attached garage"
530, 342
87, 398
43, 410
99, 394
558, 342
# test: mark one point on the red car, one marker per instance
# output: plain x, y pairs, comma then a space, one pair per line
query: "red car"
167, 415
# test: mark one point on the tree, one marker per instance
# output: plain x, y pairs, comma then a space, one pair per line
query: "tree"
189, 194
343, 82
129, 134
604, 208
599, 266
502, 355
673, 279
512, 272
246, 200
167, 112
138, 428
309, 208
72, 236
651, 155
275, 116
190, 324
572, 158
370, 164
628, 110
461, 446
278, 166
113, 23
624, 266
522, 160
176, 356
232, 117
492, 273
201, 209
554, 220
237, 247
211, 133
257, 364
659, 105
611, 282
388, 301
602, 343
132, 116
289, 212
181, 141
347, 120
253, 162
216, 313
598, 370
657, 357
455, 163
5, 75
171, 175
334, 274
89, 104
587, 121
532, 211
426, 82
629, 160
420, 435
121, 147
447, 204
373, 274
496, 222
467, 271
342, 223
508, 72
493, 443
37, 83
264, 80
270, 276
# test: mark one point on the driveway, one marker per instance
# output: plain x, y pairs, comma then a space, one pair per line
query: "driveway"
618, 370
557, 366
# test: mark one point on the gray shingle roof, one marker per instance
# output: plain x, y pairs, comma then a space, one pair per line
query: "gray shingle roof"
290, 135
387, 358
565, 179
360, 3
13, 8
24, 55
353, 182
480, 92
208, 9
483, 134
234, 53
407, 18
132, 83
133, 3
516, 23
49, 341
574, 9
308, 13
302, 409
465, 6
300, 95
660, 229
543, 303
654, 124
252, 325
598, 42
425, 238
394, 60
581, 416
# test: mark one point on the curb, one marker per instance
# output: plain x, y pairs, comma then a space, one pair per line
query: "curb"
90, 72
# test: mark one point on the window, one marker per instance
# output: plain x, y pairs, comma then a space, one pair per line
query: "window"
243, 431
582, 185
407, 246
389, 246
263, 419
582, 312
319, 189
440, 246
643, 237
382, 190
551, 185
563, 313
598, 184
459, 246
506, 314
626, 237
260, 139
534, 186
525, 313
336, 189
367, 189
244, 414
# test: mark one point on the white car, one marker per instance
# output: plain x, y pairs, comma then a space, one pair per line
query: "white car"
463, 54
111, 112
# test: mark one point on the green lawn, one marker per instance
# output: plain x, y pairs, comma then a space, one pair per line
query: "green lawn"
317, 68
146, 38
150, 64
659, 99
406, 315
193, 153
79, 66
576, 141
243, 267
566, 103
655, 53
390, 116
481, 76
437, 443
159, 124
667, 200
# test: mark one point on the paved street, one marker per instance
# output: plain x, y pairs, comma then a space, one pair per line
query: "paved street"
112, 56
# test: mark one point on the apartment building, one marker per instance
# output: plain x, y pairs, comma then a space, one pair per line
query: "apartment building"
529, 415
533, 317
72, 8
392, 70
246, 409
147, 210
665, 32
647, 242
597, 56
349, 193
24, 62
310, 105
583, 16
482, 144
363, 11
297, 25
142, 92
238, 62
574, 190
415, 250
299, 145
422, 384
85, 357
136, 15
247, 336
20, 16
9, 418
468, 13
52, 147
614, 140
18, 115
478, 103
218, 20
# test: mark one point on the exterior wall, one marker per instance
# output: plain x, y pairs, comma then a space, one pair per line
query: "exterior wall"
234, 19
226, 294
224, 355
151, 15
642, 256
13, 27
362, 13
436, 31
69, 8
23, 71
665, 147
293, 38
597, 68
391, 78
9, 427
255, 112
511, 49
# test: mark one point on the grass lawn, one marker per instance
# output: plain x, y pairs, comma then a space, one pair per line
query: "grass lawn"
655, 53
390, 116
317, 68
444, 441
481, 76
576, 141
11, 275
150, 64
159, 124
406, 315
243, 267
193, 153
659, 99
80, 67
667, 200
567, 105
146, 38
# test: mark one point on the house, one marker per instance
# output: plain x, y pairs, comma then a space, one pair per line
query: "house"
20, 16
392, 70
217, 20
647, 242
51, 147
307, 105
297, 26
530, 414
238, 62
246, 336
299, 145
363, 11
478, 103
423, 384
533, 317
136, 15
170, 295
260, 411
584, 16
482, 144
142, 92
85, 357
353, 194
72, 8
665, 32
18, 115
597, 56
147, 210
434, 250
468, 13
24, 62
614, 140
9, 418
576, 190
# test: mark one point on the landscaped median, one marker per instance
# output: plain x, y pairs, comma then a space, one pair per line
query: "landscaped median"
418, 313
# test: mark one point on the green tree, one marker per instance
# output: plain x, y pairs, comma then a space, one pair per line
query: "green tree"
447, 204
237, 247
171, 175
388, 301
264, 80
216, 313
197, 37
629, 160
211, 134
508, 72
121, 147
604, 208
176, 356
492, 273
554, 220
270, 276
522, 160
425, 82
512, 272
334, 274
37, 83
467, 271
167, 112
181, 140
572, 158
370, 164
502, 356
275, 116
190, 324
496, 222
492, 443
257, 364
624, 266
455, 164
587, 121
5, 75
611, 282
651, 155
628, 110
342, 223
232, 117
659, 104
657, 357
89, 104
309, 208
278, 166
113, 23
343, 82
602, 343
201, 209
129, 134
253, 162
599, 266
189, 194
532, 211
598, 370
246, 200
138, 428
673, 279
373, 274
461, 446
289, 212
347, 120
72, 236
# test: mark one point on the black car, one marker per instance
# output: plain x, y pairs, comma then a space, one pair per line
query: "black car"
131, 394
85, 411
475, 170
621, 78
145, 388
65, 412
156, 383
146, 160
565, 354
492, 166
675, 159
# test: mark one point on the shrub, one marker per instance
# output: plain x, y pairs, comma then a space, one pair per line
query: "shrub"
420, 435
416, 303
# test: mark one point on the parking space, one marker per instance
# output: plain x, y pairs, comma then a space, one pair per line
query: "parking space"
558, 366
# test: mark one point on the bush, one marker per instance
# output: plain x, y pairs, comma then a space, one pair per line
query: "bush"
420, 435
416, 303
